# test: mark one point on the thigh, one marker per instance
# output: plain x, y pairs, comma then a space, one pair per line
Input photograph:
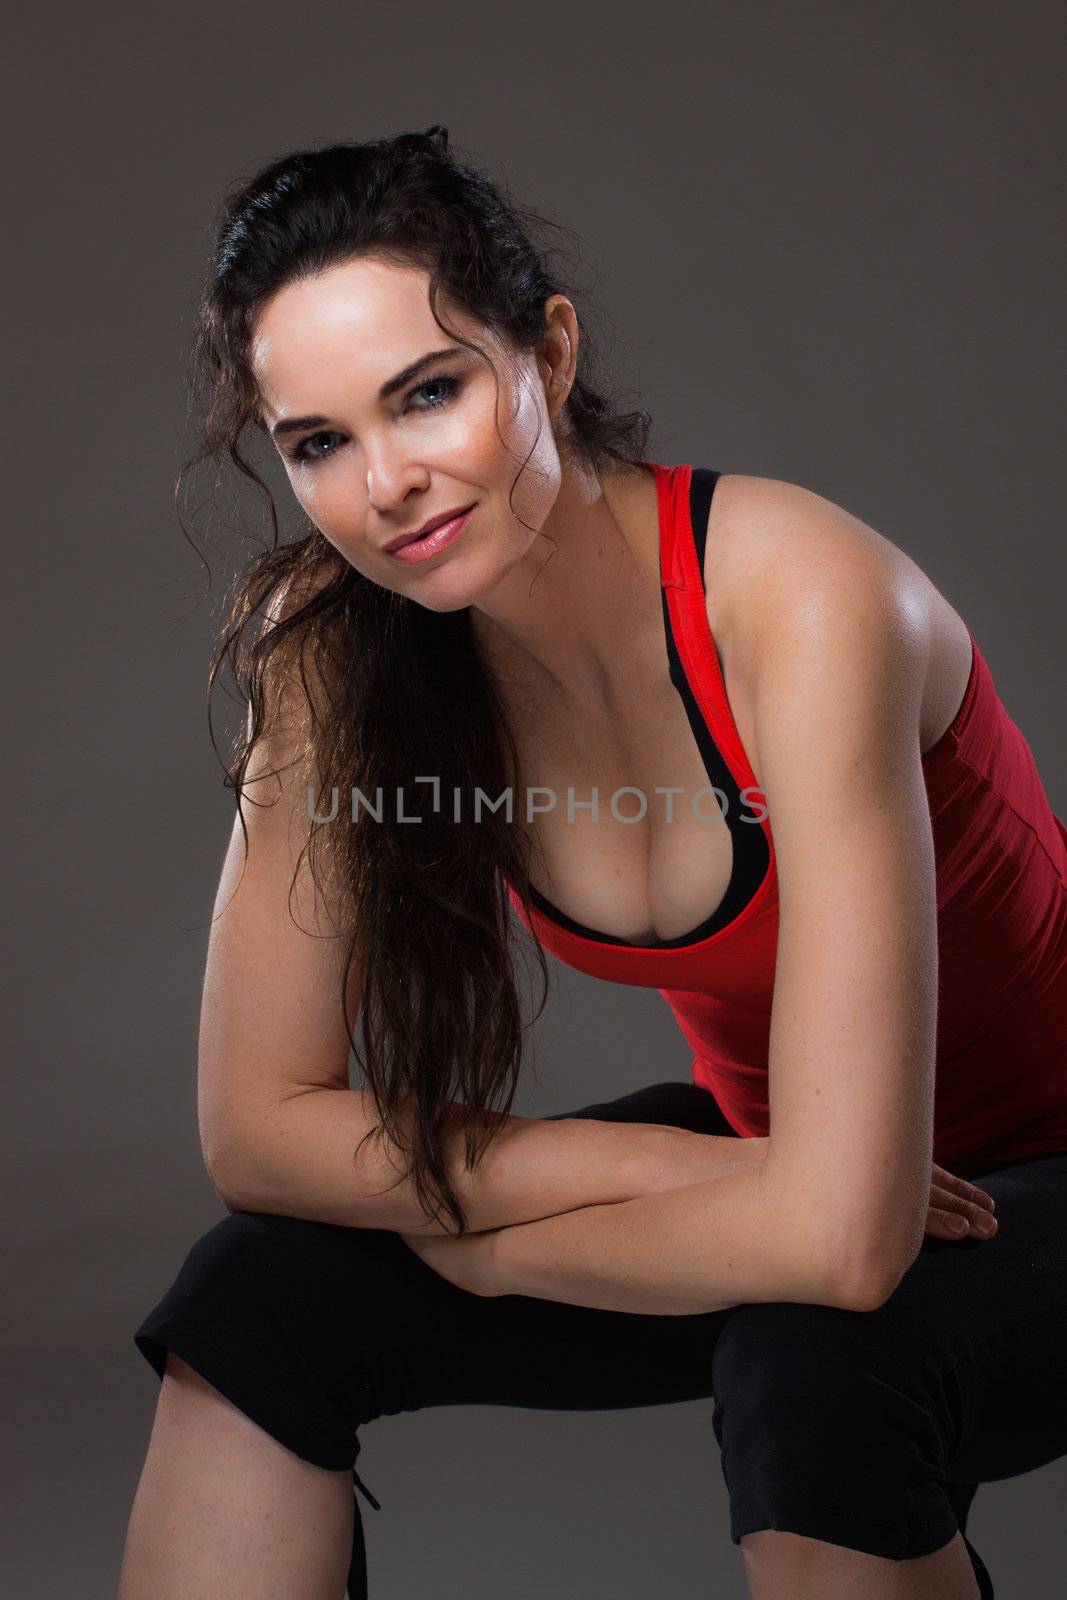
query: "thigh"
427, 1343
312, 1328
521, 1351
990, 1317
871, 1429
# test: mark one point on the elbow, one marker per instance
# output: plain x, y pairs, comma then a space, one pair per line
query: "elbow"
866, 1287
233, 1154
219, 1166
867, 1294
228, 1195
226, 1190
861, 1273
247, 1173
856, 1265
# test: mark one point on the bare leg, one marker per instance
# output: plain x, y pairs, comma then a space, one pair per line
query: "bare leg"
789, 1566
223, 1509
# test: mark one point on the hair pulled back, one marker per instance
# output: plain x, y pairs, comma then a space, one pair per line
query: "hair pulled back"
391, 689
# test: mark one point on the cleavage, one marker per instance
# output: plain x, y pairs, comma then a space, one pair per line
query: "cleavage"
641, 880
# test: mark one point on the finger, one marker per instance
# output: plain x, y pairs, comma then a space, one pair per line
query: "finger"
975, 1219
946, 1224
948, 1200
943, 1179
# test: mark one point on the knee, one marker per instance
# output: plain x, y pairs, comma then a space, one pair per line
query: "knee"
253, 1314
263, 1271
244, 1262
257, 1283
831, 1430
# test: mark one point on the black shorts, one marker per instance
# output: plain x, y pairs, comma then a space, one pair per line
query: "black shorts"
864, 1429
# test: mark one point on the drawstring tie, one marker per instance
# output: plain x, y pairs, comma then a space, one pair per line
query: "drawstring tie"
356, 1586
361, 1485
358, 1567
981, 1571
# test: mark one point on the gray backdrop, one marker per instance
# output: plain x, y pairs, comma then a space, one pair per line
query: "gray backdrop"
829, 240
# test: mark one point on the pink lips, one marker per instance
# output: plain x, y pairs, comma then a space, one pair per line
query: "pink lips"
427, 527
421, 549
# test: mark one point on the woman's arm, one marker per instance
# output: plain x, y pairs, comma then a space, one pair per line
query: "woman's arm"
279, 1124
704, 1247
295, 1156
651, 1255
837, 649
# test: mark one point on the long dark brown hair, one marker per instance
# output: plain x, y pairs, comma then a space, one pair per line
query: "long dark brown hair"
392, 689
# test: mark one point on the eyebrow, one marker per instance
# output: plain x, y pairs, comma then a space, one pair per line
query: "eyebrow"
296, 424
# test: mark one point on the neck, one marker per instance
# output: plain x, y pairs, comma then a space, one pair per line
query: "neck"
570, 607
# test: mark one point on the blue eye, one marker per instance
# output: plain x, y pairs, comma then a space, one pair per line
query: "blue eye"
449, 385
309, 457
448, 388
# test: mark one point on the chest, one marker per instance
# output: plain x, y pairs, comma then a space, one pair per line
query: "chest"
619, 803
615, 790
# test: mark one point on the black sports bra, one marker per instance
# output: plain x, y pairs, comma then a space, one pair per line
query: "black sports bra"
751, 852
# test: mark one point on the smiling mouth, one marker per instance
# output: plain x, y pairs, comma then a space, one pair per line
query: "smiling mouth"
438, 522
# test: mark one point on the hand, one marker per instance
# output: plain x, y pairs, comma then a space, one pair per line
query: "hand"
954, 1200
460, 1259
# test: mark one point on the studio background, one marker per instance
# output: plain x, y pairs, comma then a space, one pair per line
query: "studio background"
825, 244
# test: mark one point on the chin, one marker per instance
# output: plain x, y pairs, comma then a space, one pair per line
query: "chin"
451, 588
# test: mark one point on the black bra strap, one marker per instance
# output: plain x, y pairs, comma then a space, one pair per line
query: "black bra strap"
701, 488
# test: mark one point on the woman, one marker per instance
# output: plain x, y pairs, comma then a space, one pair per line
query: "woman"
586, 627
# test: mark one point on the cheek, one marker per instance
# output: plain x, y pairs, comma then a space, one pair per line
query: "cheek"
336, 513
332, 502
520, 412
532, 445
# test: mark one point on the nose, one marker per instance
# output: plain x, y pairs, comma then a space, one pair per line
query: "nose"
389, 482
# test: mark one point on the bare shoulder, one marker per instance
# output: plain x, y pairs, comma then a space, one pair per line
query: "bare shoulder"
768, 537
764, 527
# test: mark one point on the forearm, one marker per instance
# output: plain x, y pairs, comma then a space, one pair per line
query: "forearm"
704, 1247
298, 1159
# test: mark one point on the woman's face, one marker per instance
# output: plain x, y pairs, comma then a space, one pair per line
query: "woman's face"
367, 465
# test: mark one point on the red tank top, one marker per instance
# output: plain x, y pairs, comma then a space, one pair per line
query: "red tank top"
1001, 855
